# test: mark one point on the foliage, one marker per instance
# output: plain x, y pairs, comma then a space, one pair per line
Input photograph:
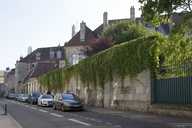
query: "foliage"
125, 31
177, 54
128, 58
184, 28
100, 45
137, 50
56, 79
160, 11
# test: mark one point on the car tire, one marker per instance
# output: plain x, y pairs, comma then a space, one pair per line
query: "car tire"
62, 108
54, 107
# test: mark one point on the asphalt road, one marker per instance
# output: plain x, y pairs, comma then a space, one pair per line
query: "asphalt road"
32, 116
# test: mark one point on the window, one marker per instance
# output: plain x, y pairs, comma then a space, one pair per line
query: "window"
52, 54
68, 97
38, 56
75, 59
59, 54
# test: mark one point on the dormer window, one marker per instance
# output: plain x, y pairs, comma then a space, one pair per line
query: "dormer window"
38, 56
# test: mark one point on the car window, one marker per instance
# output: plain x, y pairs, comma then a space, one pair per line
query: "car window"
47, 97
25, 95
68, 97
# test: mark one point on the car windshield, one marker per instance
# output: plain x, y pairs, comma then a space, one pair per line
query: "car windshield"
36, 94
25, 95
47, 97
68, 97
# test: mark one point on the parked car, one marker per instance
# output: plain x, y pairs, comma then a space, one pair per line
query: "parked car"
67, 101
11, 96
22, 97
17, 96
33, 97
45, 100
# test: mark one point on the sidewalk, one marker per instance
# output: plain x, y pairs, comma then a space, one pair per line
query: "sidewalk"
149, 117
6, 121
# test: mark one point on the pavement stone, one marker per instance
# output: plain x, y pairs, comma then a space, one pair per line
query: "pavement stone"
6, 121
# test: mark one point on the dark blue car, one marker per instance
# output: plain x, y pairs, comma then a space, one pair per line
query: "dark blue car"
33, 97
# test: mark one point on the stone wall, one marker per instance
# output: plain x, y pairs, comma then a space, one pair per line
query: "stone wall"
124, 94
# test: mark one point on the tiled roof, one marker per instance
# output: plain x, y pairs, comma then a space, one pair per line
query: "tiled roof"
44, 54
90, 37
40, 69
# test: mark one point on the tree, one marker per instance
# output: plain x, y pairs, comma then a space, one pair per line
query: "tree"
125, 31
100, 45
158, 11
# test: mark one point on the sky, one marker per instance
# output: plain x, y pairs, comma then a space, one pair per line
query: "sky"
45, 23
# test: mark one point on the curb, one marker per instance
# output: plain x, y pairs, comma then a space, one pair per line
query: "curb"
15, 123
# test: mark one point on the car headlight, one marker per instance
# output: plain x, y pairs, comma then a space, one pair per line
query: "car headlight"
67, 104
44, 101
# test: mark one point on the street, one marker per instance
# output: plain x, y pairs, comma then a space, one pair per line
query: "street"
32, 116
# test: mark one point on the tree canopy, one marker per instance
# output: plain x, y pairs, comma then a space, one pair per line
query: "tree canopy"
158, 11
125, 31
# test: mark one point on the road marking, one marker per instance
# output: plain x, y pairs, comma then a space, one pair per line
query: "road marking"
26, 106
109, 123
80, 122
117, 126
56, 115
41, 110
87, 118
33, 108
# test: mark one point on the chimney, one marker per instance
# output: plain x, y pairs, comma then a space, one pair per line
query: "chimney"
82, 31
29, 50
132, 13
105, 20
73, 30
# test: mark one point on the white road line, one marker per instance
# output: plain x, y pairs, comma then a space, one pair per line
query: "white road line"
41, 110
56, 115
109, 123
80, 122
33, 108
117, 126
26, 106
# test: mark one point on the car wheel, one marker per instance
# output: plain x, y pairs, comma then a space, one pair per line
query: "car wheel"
62, 108
54, 107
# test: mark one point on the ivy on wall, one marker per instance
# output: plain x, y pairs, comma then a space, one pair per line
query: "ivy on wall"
130, 56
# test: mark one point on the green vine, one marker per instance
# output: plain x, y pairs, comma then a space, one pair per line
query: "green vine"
138, 52
129, 58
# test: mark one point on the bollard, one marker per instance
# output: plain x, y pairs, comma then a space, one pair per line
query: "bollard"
5, 109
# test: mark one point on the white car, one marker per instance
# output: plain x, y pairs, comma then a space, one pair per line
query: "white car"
45, 100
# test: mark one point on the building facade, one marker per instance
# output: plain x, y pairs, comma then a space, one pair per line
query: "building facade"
37, 63
75, 49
